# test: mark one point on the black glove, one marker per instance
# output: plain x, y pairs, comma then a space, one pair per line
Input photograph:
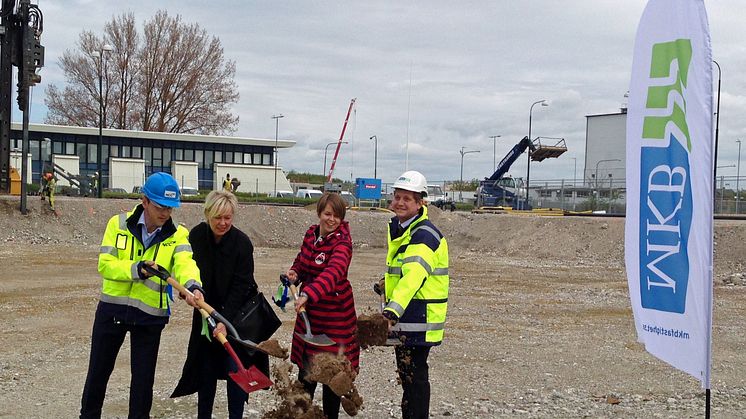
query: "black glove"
391, 316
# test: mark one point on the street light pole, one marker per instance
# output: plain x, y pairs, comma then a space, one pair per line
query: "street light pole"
574, 180
494, 151
528, 165
101, 55
597, 163
325, 150
738, 175
375, 157
277, 154
461, 183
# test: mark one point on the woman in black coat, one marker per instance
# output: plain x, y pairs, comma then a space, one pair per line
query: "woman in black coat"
224, 255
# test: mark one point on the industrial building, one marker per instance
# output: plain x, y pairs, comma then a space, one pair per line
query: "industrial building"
129, 157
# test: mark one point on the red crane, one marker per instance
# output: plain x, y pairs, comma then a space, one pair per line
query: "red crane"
339, 144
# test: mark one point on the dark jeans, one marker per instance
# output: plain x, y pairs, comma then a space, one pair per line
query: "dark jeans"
329, 398
206, 395
411, 361
106, 340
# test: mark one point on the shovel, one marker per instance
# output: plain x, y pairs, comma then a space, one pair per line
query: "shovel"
382, 294
248, 379
164, 275
316, 340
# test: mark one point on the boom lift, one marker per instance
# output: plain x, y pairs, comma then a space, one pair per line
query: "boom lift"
498, 190
329, 187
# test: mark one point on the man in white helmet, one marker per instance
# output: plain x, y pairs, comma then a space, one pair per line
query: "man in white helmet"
416, 289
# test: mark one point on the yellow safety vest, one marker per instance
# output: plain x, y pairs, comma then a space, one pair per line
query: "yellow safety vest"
120, 254
417, 281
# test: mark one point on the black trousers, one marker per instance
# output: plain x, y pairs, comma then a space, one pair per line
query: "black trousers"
329, 398
411, 362
206, 394
106, 340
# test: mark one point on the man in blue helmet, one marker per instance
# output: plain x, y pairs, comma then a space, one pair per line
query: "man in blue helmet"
134, 301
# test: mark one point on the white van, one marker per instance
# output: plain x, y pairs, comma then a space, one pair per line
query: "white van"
308, 193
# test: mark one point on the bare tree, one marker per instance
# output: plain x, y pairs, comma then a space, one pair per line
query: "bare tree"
172, 79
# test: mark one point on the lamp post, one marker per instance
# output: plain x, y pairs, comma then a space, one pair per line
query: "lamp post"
461, 184
325, 150
375, 156
277, 154
574, 180
101, 55
543, 102
494, 151
599, 162
738, 174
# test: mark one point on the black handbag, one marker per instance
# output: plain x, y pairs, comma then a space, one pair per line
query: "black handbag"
256, 320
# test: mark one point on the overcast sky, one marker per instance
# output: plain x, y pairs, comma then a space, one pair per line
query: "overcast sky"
438, 75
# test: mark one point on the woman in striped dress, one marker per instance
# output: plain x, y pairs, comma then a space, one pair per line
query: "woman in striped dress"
321, 271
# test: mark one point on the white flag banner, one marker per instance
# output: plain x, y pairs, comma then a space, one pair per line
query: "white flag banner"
668, 231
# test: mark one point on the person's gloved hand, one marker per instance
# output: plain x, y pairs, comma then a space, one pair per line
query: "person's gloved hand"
391, 317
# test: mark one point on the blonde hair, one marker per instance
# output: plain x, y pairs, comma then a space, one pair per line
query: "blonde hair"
220, 202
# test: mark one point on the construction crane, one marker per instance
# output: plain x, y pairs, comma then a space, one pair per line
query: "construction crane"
328, 186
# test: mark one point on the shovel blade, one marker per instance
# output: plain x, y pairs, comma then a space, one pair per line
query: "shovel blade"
250, 379
316, 340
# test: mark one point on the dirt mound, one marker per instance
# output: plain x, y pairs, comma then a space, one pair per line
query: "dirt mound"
336, 372
295, 403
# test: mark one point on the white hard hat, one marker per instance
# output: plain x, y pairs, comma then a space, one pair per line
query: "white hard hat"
412, 180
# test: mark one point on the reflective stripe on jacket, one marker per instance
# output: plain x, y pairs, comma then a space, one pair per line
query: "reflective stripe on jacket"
417, 280
121, 251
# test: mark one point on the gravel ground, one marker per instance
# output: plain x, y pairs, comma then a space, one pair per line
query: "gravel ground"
539, 320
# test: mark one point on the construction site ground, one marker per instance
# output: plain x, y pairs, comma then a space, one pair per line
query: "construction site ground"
539, 321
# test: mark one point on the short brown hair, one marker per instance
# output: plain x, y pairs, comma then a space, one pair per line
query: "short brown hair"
338, 204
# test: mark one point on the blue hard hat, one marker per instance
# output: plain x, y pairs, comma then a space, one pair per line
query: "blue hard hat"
162, 189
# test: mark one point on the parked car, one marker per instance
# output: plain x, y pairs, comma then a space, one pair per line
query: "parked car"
308, 193
187, 191
280, 194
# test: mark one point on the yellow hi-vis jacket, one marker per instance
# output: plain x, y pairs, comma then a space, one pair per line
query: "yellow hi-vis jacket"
124, 294
417, 280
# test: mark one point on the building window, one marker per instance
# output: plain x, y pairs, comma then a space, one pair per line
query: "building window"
105, 153
69, 149
189, 155
126, 152
257, 158
208, 159
92, 153
136, 152
34, 149
80, 151
166, 157
237, 157
218, 157
46, 147
199, 158
179, 156
114, 151
57, 147
147, 154
267, 159
246, 158
228, 157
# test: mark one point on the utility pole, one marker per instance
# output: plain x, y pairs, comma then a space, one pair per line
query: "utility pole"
7, 32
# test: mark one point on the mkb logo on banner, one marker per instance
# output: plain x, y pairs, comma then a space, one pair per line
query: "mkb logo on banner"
665, 186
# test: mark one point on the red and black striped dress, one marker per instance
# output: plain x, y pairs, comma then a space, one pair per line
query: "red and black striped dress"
322, 266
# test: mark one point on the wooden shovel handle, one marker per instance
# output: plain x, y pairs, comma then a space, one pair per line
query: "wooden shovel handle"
294, 290
206, 315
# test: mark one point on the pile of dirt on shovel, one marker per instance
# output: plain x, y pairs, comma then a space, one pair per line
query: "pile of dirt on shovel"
372, 330
272, 347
